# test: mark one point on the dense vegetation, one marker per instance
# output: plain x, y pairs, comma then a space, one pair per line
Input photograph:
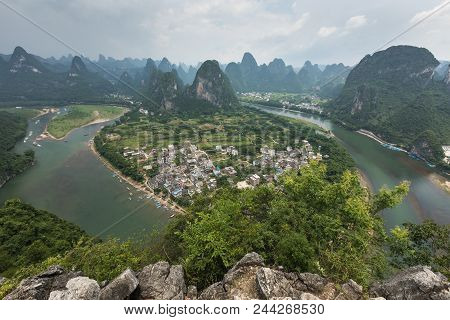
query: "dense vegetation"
305, 223
29, 236
425, 244
12, 128
393, 94
80, 115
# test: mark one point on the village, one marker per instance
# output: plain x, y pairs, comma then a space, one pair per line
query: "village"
187, 170
285, 102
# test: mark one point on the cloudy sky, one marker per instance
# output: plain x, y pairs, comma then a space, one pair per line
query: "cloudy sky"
323, 31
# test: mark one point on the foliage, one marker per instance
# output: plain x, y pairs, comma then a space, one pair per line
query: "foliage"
12, 128
105, 260
307, 223
426, 244
29, 236
392, 93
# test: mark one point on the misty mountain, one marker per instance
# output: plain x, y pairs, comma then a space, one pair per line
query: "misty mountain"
394, 94
25, 77
278, 77
211, 84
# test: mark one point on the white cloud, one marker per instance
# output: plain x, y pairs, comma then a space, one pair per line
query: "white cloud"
356, 22
423, 14
326, 31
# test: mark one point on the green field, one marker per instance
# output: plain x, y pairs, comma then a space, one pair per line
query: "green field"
80, 115
245, 129
25, 112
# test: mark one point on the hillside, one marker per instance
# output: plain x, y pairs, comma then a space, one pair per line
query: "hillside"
12, 128
332, 247
211, 89
27, 78
393, 94
212, 85
29, 236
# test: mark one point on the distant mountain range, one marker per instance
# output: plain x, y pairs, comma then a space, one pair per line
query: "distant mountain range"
403, 95
278, 77
25, 78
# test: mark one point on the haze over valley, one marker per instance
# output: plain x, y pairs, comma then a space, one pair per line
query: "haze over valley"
303, 148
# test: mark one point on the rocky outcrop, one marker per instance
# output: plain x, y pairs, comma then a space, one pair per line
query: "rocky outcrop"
162, 282
39, 287
121, 287
212, 85
80, 288
415, 283
250, 278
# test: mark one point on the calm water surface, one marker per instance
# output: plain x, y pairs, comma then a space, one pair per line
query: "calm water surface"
69, 181
382, 166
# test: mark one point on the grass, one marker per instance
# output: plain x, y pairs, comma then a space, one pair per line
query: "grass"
247, 131
25, 112
80, 115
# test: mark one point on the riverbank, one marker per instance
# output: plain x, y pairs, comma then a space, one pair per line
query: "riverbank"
441, 182
78, 116
143, 187
47, 134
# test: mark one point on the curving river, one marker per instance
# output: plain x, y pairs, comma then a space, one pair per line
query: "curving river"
381, 166
69, 181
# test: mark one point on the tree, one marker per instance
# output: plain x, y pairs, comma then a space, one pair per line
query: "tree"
426, 244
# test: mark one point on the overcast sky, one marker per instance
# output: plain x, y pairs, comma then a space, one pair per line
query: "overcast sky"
323, 31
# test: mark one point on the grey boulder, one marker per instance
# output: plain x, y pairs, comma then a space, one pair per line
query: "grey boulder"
415, 283
40, 286
80, 288
121, 287
161, 281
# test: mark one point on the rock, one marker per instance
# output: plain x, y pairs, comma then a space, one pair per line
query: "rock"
191, 293
415, 283
313, 282
238, 283
329, 292
377, 298
2, 279
121, 287
80, 288
273, 284
214, 292
350, 291
40, 286
162, 282
308, 296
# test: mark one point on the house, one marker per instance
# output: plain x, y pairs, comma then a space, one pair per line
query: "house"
243, 185
229, 171
254, 180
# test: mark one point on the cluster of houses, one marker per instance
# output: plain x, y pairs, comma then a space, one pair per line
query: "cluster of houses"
186, 170
267, 96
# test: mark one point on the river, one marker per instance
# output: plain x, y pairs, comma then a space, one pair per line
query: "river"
69, 181
384, 167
